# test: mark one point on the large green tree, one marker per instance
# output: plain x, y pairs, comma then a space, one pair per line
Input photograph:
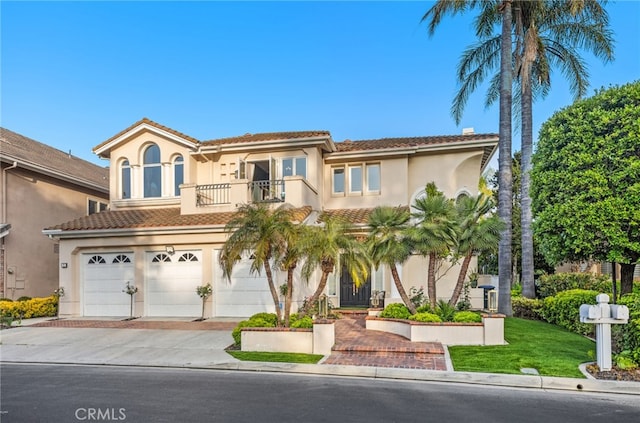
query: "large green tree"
586, 181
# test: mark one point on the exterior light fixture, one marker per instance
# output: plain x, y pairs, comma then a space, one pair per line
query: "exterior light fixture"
169, 249
493, 301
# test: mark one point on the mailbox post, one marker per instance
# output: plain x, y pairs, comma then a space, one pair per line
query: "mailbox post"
603, 315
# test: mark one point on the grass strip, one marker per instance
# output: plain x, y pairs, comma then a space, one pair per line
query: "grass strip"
552, 350
276, 357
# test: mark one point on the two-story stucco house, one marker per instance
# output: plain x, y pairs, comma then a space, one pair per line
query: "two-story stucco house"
40, 186
171, 196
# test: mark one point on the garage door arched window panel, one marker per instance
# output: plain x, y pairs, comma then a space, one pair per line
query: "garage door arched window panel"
161, 258
152, 169
121, 258
97, 260
188, 257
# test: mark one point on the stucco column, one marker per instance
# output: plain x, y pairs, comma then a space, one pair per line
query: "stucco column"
493, 329
324, 336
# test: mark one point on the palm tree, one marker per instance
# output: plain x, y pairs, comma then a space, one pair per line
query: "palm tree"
547, 34
389, 244
478, 231
261, 232
434, 16
292, 255
434, 233
326, 245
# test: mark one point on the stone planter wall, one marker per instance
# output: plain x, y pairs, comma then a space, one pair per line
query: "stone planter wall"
318, 340
489, 332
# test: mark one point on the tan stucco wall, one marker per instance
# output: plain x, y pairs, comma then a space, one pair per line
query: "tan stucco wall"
35, 202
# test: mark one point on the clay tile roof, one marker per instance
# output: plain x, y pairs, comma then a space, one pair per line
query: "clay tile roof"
148, 122
46, 159
268, 136
353, 216
154, 219
391, 143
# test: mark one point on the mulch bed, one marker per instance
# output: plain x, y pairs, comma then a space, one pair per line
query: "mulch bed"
614, 374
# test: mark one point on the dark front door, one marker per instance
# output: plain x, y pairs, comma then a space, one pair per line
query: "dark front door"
350, 296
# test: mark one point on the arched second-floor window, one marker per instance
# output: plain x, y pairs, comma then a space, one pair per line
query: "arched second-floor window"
125, 179
178, 174
152, 172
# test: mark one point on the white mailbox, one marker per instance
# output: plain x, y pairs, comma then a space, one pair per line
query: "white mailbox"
603, 315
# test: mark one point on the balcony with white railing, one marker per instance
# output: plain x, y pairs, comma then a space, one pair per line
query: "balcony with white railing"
224, 197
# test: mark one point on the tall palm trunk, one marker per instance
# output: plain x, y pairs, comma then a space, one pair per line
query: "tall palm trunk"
272, 288
505, 189
431, 280
400, 288
528, 287
460, 282
288, 296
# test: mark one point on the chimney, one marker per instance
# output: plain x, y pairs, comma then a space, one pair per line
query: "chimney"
467, 131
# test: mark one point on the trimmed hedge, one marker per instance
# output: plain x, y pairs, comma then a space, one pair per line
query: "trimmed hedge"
563, 310
27, 309
425, 318
527, 308
467, 317
395, 311
627, 337
550, 285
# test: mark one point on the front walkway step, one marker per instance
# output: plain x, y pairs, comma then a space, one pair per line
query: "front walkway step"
388, 359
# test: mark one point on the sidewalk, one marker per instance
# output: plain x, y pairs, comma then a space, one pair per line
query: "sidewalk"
159, 345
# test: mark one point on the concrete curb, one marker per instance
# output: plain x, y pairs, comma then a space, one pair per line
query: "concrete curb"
489, 379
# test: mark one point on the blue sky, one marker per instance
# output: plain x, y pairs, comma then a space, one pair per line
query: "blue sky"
75, 73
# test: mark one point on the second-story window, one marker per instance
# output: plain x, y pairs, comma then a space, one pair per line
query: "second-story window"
178, 174
125, 179
294, 166
152, 172
338, 180
356, 179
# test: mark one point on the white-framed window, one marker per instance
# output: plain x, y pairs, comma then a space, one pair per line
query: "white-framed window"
152, 169
95, 206
178, 174
377, 278
338, 180
125, 180
294, 166
359, 178
161, 258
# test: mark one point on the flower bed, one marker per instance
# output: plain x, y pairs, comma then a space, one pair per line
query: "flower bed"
489, 332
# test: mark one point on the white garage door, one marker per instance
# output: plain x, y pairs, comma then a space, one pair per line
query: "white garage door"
104, 278
246, 294
171, 282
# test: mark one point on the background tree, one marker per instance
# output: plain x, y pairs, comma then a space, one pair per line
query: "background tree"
434, 233
260, 233
586, 181
327, 245
389, 244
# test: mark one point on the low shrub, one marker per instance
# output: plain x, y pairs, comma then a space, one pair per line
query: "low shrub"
549, 285
445, 311
396, 311
425, 308
563, 310
35, 307
23, 298
467, 317
626, 338
526, 308
253, 322
425, 318
306, 322
268, 317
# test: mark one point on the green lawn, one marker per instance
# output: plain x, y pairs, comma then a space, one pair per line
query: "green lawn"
551, 350
275, 357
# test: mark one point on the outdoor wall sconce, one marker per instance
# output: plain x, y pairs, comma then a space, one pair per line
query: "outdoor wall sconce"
169, 249
493, 301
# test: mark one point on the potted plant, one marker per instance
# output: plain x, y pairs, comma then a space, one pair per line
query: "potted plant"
473, 279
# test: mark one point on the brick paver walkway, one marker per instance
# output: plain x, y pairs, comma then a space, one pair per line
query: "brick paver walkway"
355, 345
